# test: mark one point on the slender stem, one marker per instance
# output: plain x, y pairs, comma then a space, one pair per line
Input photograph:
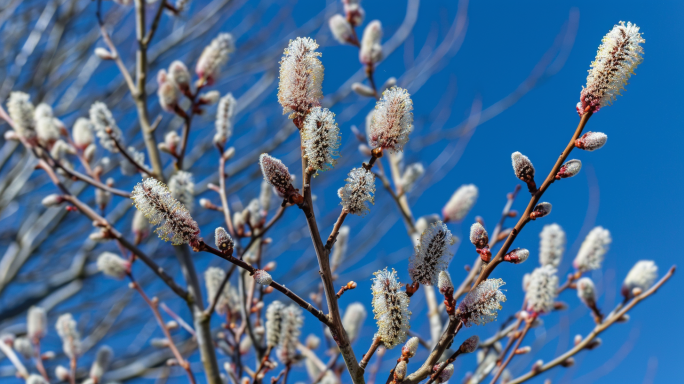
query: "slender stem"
525, 218
503, 366
38, 359
445, 340
279, 287
610, 320
373, 347
336, 230
154, 306
9, 353
124, 152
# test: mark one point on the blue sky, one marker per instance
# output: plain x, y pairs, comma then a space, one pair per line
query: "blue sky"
632, 186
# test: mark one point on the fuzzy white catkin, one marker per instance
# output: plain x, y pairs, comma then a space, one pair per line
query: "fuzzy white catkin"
339, 251
551, 245
71, 338
478, 235
522, 166
102, 119
390, 306
586, 291
262, 277
460, 203
412, 173
371, 49
140, 224
265, 196
432, 254
340, 28
541, 290
182, 187
353, 319
301, 77
274, 320
36, 323
62, 373
174, 222
593, 250
24, 347
213, 277
444, 283
359, 189
642, 275
225, 112
276, 173
82, 132
21, 111
321, 139
47, 127
179, 73
411, 347
289, 335
36, 379
112, 265
481, 304
101, 363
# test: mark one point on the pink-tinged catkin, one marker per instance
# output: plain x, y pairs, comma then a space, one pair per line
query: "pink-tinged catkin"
390, 306
642, 276
551, 245
21, 110
214, 56
541, 210
71, 338
355, 13
359, 189
392, 121
470, 345
167, 91
478, 235
482, 302
460, 203
593, 249
444, 283
340, 28
517, 256
431, 255
411, 347
173, 220
569, 169
618, 56
82, 133
522, 166
262, 277
321, 139
276, 174
541, 290
591, 141
179, 74
301, 77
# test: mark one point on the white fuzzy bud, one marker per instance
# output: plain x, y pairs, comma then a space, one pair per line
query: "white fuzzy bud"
586, 291
112, 265
569, 169
340, 28
52, 200
339, 251
551, 245
265, 195
36, 379
274, 320
591, 141
431, 255
478, 235
71, 338
102, 118
444, 283
363, 90
353, 319
320, 139
481, 304
225, 113
24, 347
541, 210
262, 277
390, 306
541, 290
101, 363
210, 98
371, 47
593, 250
62, 373
470, 345
182, 187
82, 132
104, 54
460, 203
642, 276
36, 323
222, 239
276, 174
301, 77
517, 256
522, 166
21, 111
180, 75
412, 173
400, 371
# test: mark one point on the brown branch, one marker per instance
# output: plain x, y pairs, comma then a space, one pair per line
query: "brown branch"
124, 152
444, 341
525, 218
279, 287
503, 366
154, 306
366, 357
597, 331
